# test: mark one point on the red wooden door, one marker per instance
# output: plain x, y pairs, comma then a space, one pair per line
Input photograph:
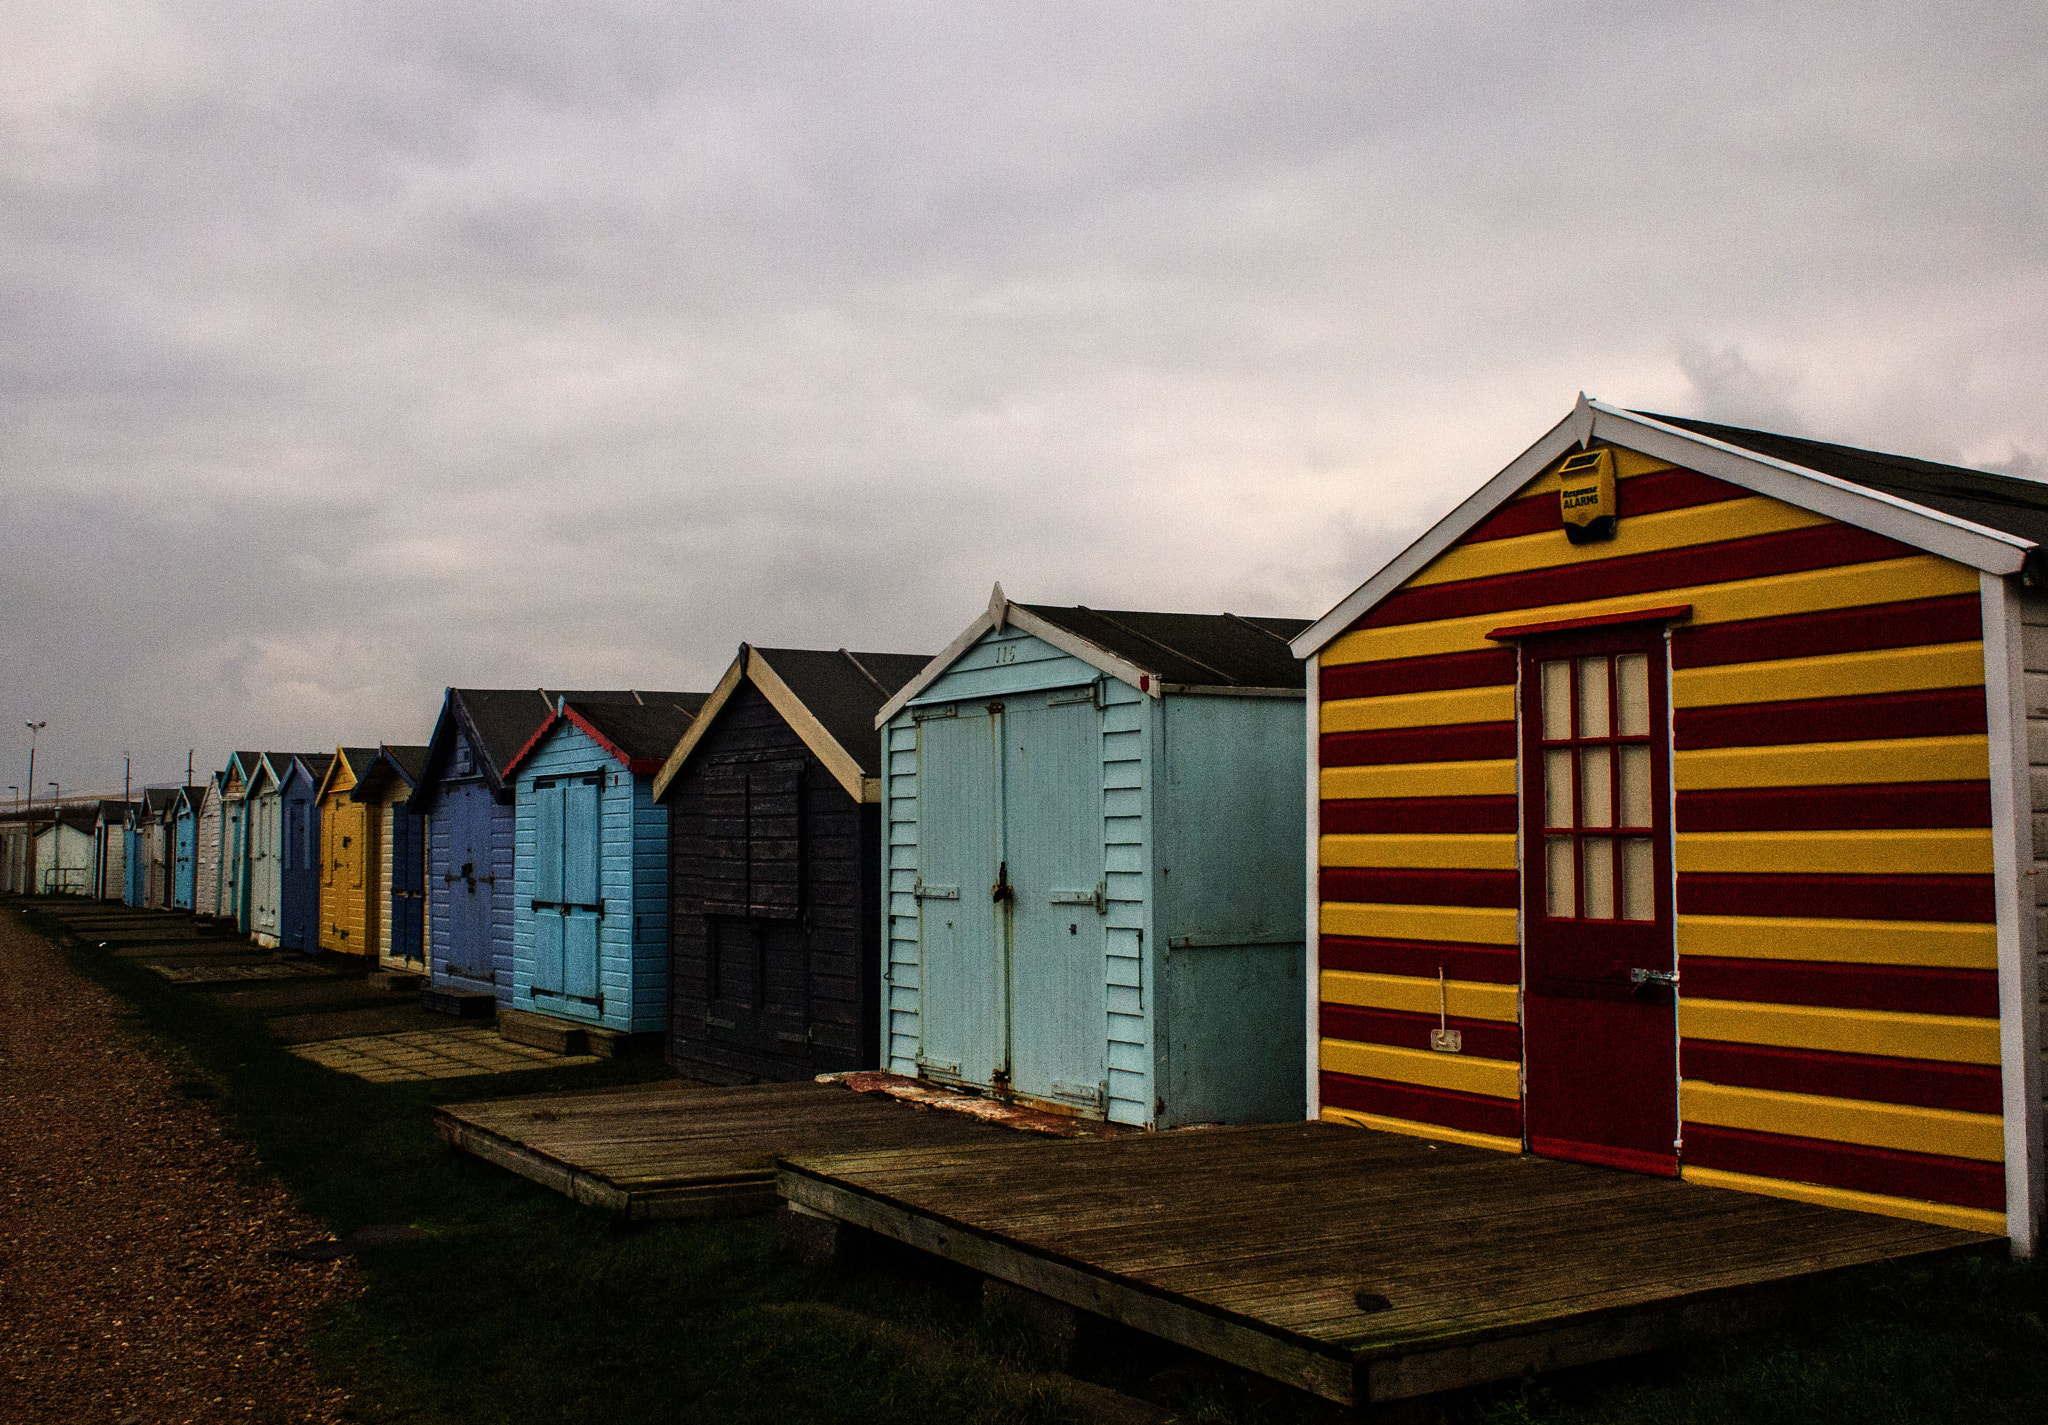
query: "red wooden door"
1600, 985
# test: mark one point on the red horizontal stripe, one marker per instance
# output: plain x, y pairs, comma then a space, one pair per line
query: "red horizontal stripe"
1838, 897
1908, 989
1784, 552
1872, 807
1483, 668
1447, 1108
1446, 815
1456, 742
1966, 1088
1935, 712
1482, 1038
1637, 495
1494, 889
1926, 1177
1955, 618
1488, 964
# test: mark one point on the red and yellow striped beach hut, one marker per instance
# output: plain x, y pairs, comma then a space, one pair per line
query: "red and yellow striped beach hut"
1672, 808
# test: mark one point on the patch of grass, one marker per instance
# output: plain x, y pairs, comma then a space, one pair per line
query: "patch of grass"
518, 1306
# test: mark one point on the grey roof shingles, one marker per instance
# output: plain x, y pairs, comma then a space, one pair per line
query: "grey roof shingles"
1201, 650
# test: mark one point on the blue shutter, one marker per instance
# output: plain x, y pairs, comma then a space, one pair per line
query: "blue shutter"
579, 954
581, 840
547, 952
547, 844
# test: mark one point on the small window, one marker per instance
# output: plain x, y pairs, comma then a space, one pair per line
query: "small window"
1599, 806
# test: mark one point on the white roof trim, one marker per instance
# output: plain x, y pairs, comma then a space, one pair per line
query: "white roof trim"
1989, 550
838, 761
701, 723
1439, 537
1002, 613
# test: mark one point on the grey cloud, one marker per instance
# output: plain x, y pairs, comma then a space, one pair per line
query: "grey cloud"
350, 350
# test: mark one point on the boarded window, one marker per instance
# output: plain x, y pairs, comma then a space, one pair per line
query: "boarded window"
753, 840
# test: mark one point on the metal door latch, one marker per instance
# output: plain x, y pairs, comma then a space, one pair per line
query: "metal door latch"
1653, 977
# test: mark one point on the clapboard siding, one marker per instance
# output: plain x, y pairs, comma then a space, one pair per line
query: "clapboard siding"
1832, 838
822, 967
2034, 656
206, 889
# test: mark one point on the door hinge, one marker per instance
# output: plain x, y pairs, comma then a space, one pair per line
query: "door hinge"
925, 892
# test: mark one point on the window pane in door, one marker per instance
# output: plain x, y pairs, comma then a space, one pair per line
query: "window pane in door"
1597, 854
1596, 789
1557, 787
1557, 700
1635, 786
1638, 879
1593, 697
1632, 681
1557, 851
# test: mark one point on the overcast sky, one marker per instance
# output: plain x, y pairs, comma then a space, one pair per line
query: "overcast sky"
352, 350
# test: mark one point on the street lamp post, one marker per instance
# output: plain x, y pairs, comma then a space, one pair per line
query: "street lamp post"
33, 729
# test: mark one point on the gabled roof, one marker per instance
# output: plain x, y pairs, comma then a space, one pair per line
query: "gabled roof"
829, 699
1153, 652
393, 763
639, 733
158, 802
351, 760
1971, 517
193, 796
112, 810
498, 723
279, 765
78, 818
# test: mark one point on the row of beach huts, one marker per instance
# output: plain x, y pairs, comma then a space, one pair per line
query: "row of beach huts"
1670, 805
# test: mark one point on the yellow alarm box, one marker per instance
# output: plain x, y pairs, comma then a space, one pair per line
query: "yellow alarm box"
1586, 495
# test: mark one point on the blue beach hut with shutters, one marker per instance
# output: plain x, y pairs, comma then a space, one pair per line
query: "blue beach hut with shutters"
133, 822
185, 847
1094, 865
591, 858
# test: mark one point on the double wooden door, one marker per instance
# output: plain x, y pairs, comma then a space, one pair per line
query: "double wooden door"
568, 891
1012, 990
1600, 1031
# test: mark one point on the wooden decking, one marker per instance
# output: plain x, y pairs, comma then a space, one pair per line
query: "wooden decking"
678, 1149
1357, 1265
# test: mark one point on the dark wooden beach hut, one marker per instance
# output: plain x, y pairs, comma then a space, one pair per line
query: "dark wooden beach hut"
774, 799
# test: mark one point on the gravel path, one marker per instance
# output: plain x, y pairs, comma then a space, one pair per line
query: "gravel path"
137, 1284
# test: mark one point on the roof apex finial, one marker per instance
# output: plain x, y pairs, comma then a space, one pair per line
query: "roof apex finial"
1582, 420
998, 607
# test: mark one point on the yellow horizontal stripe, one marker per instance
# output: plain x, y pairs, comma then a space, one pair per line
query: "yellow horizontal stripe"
1846, 1120
1961, 851
1426, 851
1454, 923
1836, 675
1494, 1078
1941, 1214
1944, 1038
1918, 576
1409, 1126
1937, 943
1627, 465
1634, 534
1441, 708
1469, 999
1817, 764
1423, 779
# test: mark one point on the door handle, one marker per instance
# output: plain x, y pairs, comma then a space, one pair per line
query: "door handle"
1002, 890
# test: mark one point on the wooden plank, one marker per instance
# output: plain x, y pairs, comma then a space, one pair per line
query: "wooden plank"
1251, 1244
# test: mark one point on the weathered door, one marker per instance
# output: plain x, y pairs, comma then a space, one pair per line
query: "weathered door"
1600, 999
962, 978
758, 971
264, 826
568, 895
408, 882
468, 881
1052, 854
185, 873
